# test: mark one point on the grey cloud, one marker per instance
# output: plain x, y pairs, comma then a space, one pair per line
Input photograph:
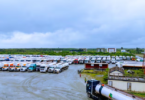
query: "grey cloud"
73, 23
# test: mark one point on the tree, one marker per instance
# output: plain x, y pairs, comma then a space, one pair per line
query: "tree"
121, 47
137, 50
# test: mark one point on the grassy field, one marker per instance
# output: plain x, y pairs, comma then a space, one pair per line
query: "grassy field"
139, 94
98, 75
137, 73
141, 55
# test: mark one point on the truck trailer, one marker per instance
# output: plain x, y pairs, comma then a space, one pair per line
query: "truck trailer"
99, 91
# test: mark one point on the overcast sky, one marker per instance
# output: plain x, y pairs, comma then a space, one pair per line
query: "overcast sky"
72, 23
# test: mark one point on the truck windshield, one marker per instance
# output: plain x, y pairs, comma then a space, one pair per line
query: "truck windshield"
28, 60
5, 66
42, 67
51, 67
22, 60
31, 67
57, 68
17, 66
23, 66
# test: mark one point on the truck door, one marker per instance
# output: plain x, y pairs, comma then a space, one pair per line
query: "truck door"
88, 87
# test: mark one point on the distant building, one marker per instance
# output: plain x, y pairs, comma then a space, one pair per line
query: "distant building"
111, 50
123, 50
101, 50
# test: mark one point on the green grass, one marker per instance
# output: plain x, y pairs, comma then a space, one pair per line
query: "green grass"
141, 55
93, 74
137, 73
139, 94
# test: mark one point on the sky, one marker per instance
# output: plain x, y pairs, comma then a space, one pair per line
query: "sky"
72, 23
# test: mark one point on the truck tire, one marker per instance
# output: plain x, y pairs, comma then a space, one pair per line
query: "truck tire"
89, 95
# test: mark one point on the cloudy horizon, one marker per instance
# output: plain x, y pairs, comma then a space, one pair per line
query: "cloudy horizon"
72, 23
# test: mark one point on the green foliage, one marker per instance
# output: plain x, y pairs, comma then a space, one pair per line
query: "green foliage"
59, 51
137, 73
139, 94
105, 77
93, 74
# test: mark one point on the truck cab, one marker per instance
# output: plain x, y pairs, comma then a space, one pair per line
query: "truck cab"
104, 59
59, 68
108, 60
51, 68
113, 61
38, 67
12, 67
5, 67
24, 67
93, 60
32, 67
43, 68
18, 67
87, 60
98, 60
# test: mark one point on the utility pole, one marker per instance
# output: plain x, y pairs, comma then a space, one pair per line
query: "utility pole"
144, 62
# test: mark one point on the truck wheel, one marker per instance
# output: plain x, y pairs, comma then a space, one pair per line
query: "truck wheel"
89, 95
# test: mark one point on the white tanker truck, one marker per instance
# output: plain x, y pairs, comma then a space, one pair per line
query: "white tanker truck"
51, 67
61, 67
99, 91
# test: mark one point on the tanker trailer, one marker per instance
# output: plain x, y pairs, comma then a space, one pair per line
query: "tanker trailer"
99, 91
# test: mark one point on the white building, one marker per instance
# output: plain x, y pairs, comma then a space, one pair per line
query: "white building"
123, 50
128, 84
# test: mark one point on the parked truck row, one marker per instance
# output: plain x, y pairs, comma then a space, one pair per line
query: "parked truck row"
67, 59
30, 67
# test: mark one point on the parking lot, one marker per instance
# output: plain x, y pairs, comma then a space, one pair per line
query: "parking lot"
43, 86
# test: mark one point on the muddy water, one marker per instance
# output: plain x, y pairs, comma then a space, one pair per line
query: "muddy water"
43, 86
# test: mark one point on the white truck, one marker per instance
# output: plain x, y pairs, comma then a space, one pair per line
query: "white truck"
51, 67
104, 59
93, 60
113, 61
18, 67
5, 67
44, 68
1, 65
61, 67
98, 60
12, 67
87, 60
24, 67
108, 60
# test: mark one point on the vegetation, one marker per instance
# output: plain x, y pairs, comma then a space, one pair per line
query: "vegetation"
141, 55
137, 73
139, 94
98, 75
60, 51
